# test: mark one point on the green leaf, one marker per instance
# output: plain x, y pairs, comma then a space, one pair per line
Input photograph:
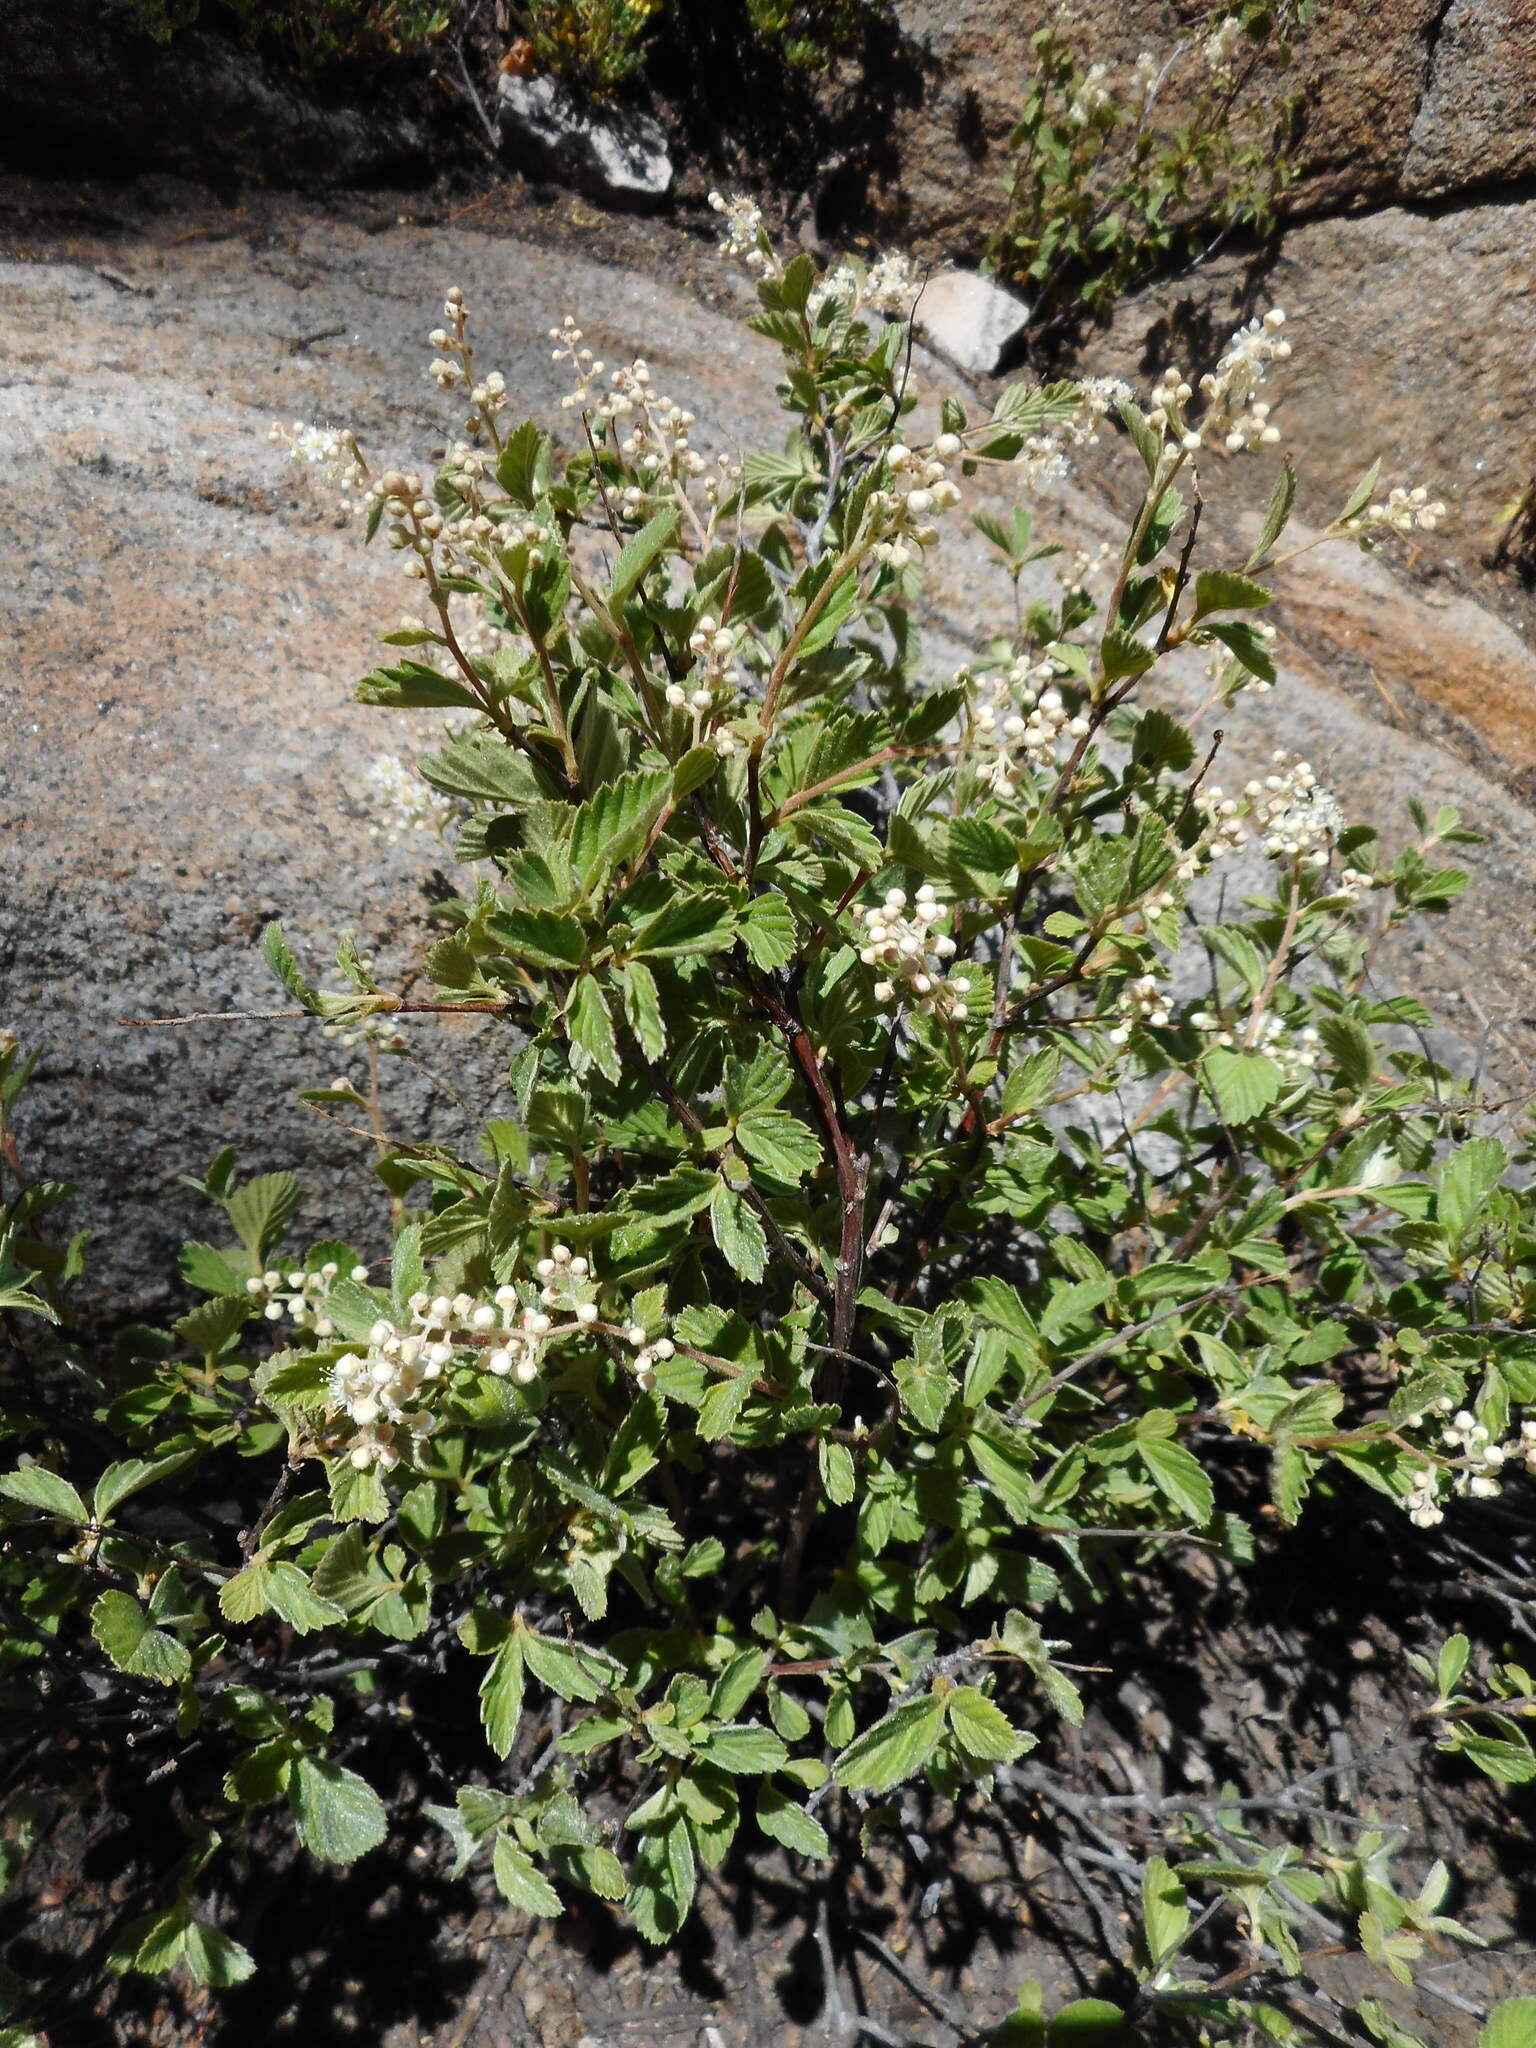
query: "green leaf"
1222, 590
1506, 1759
501, 1695
1467, 1179
1165, 1909
926, 1387
982, 1729
1450, 1665
1123, 655
1178, 1473
339, 1815
290, 1595
538, 937
743, 1749
1161, 742
119, 1482
894, 1749
589, 1024
521, 1883
1282, 498
642, 1008
125, 1633
1243, 1083
641, 552
572, 1672
1511, 2024
738, 1232
1244, 641
275, 951
783, 1821
262, 1210
788, 1148
768, 932
34, 1486
213, 1958
720, 1409
1362, 494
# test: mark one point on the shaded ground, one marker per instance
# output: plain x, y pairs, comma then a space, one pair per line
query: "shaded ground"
1296, 1669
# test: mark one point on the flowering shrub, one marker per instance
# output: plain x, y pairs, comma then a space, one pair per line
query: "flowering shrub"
1107, 186
918, 1184
313, 33
593, 44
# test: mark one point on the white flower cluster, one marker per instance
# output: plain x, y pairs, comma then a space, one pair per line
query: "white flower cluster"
1092, 97
1142, 1001
382, 1388
453, 365
914, 958
301, 1296
1222, 833
1295, 1053
1222, 45
714, 648
1480, 1474
334, 454
1295, 817
744, 236
885, 287
922, 487
657, 437
1146, 73
401, 802
1233, 413
1024, 722
1403, 510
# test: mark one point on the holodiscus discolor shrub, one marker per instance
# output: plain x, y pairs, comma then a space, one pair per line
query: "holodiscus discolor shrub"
949, 1142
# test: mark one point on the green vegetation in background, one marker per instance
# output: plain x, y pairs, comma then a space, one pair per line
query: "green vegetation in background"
1115, 179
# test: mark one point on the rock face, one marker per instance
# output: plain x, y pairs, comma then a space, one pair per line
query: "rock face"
1415, 339
610, 154
970, 321
1424, 98
83, 90
179, 759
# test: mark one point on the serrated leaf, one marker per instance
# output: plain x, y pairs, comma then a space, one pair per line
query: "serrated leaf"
982, 1729
339, 1815
738, 1232
34, 1486
894, 1749
641, 552
785, 1822
276, 953
1282, 498
589, 1025
501, 1696
1178, 1473
743, 1749
262, 1210
1243, 1083
768, 932
126, 1634
521, 1883
1466, 1180
720, 1409
779, 1141
213, 1958
642, 1008
1223, 590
